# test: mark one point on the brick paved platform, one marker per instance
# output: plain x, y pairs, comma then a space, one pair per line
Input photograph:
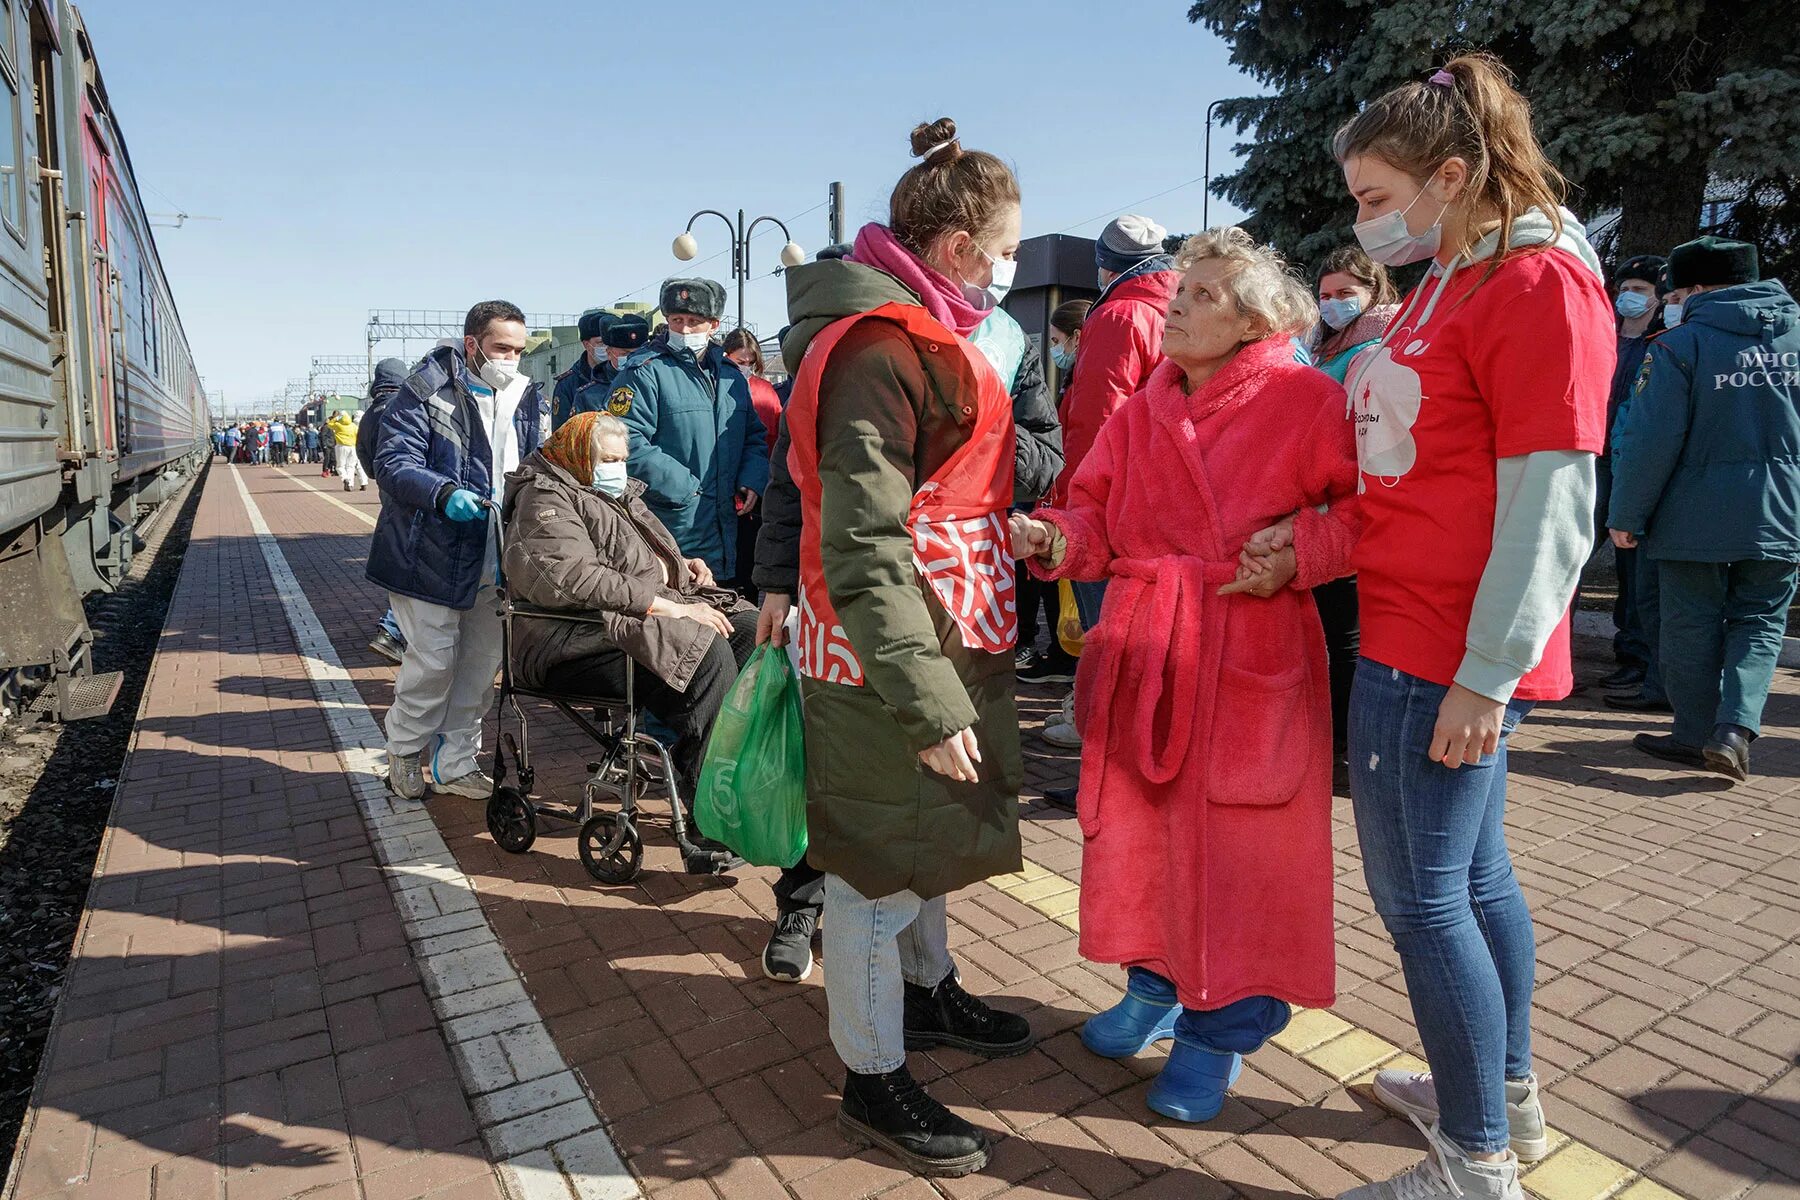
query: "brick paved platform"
248, 1009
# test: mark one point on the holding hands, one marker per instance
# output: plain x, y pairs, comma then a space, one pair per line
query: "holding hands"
1030, 536
1267, 563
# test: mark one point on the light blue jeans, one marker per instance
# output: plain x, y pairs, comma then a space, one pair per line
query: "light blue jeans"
1435, 859
901, 939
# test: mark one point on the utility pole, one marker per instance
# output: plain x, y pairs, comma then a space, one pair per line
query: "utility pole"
836, 223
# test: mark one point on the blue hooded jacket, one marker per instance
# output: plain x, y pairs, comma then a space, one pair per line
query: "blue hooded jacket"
432, 442
1706, 451
695, 440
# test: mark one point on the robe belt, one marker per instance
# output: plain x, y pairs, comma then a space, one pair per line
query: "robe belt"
1154, 608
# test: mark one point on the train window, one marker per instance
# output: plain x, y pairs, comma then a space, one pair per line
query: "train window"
11, 185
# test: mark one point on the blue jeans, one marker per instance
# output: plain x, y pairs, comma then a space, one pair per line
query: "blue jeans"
1088, 598
1241, 1027
1435, 858
1722, 625
391, 627
875, 947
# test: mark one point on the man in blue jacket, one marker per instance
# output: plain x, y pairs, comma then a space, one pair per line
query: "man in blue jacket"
696, 442
1706, 474
624, 336
460, 422
592, 364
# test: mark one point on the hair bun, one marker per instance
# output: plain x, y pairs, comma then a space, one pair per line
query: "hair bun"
936, 141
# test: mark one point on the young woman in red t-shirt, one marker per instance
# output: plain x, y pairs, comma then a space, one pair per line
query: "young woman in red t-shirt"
1478, 417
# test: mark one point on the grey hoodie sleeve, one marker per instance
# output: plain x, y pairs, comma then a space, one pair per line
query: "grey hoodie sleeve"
1543, 533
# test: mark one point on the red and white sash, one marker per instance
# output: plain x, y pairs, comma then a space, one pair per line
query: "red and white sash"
958, 518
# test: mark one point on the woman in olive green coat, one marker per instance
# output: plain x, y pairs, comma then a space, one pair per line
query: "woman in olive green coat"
902, 450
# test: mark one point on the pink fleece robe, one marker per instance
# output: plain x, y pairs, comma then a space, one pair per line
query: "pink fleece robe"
1205, 798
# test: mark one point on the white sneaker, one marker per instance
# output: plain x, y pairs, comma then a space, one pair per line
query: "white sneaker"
475, 785
1446, 1173
1061, 735
405, 777
1414, 1095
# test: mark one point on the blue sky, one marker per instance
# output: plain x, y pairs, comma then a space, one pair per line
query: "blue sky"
404, 154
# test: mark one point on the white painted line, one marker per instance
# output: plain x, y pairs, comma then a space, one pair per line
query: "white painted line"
545, 1137
354, 511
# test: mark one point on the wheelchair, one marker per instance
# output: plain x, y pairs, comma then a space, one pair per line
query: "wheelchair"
632, 762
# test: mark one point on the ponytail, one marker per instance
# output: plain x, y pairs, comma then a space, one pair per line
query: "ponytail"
1468, 110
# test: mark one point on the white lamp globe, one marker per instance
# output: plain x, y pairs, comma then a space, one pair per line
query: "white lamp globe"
792, 255
686, 247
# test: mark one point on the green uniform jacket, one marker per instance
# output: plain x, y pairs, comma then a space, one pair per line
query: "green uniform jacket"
888, 418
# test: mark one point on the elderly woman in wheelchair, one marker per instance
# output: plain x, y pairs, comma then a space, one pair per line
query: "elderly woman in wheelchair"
579, 539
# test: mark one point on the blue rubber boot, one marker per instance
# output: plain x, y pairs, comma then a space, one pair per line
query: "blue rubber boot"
1129, 1026
1193, 1083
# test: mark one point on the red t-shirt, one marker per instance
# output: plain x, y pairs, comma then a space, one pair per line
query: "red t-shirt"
1519, 364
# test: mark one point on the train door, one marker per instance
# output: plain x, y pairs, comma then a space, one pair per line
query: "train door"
44, 75
108, 340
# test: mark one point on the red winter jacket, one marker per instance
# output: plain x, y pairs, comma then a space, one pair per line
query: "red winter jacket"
1121, 343
767, 403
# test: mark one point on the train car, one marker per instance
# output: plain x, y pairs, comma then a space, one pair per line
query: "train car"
102, 414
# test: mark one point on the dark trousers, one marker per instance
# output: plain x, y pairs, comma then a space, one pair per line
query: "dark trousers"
1039, 599
801, 886
748, 527
1337, 606
689, 714
1646, 605
1722, 625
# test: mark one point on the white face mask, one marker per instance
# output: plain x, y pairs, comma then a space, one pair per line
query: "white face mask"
609, 477
696, 341
1672, 313
1389, 242
991, 295
500, 373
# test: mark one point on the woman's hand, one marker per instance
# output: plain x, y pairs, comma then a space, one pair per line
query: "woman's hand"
703, 614
771, 622
1265, 542
1030, 537
700, 573
1623, 539
954, 757
1263, 575
1468, 728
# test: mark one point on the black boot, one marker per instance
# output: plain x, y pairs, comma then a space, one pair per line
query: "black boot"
1665, 747
892, 1111
1728, 751
1630, 675
948, 1016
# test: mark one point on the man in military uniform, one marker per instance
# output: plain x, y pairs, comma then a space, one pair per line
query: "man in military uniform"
623, 337
592, 361
1705, 477
696, 441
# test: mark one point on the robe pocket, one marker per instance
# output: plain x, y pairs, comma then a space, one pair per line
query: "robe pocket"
1262, 736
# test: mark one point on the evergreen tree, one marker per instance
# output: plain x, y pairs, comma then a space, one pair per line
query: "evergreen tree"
1652, 108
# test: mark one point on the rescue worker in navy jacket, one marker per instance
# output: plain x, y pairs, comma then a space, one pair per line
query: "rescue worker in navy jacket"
592, 362
1706, 474
624, 336
463, 419
696, 440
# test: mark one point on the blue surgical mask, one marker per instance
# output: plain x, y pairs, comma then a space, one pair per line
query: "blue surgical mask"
1631, 305
1063, 357
609, 477
991, 295
1388, 241
1672, 313
1339, 313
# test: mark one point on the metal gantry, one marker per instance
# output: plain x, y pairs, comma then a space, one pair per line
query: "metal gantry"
339, 372
406, 325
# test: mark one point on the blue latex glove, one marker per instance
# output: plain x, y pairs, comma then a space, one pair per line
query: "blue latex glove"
464, 505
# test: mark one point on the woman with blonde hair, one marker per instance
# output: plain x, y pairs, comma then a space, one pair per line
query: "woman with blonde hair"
1478, 417
1203, 702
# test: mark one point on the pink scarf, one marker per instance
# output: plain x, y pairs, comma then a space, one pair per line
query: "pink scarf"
877, 247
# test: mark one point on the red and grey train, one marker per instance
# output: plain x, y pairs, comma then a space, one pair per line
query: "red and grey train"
102, 414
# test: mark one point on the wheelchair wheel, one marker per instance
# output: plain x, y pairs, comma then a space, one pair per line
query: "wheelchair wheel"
512, 820
620, 866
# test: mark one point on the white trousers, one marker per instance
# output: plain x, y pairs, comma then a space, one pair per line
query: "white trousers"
349, 467
446, 682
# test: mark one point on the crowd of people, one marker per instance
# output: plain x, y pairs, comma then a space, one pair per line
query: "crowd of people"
1306, 527
279, 442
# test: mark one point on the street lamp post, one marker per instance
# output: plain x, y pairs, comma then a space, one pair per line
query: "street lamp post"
1206, 168
686, 247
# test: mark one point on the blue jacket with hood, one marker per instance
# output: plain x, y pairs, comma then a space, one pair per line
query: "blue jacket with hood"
1706, 451
432, 441
695, 440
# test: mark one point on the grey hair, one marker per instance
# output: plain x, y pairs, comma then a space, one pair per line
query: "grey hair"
1263, 286
606, 425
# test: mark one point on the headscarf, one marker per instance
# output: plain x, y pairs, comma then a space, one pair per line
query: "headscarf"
571, 447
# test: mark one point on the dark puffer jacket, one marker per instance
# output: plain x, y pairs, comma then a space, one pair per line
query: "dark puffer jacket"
571, 548
432, 442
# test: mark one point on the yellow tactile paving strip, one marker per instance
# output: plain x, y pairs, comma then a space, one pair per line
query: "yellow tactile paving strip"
1351, 1055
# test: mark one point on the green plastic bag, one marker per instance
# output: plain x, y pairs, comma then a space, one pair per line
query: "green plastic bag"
752, 791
